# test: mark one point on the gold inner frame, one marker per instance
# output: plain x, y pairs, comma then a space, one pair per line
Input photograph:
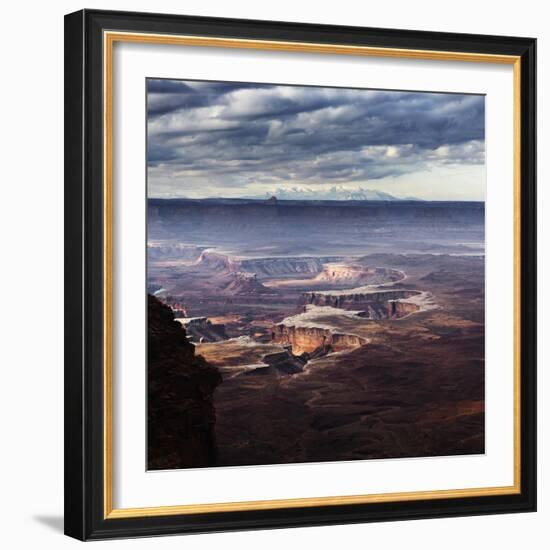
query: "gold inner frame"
109, 39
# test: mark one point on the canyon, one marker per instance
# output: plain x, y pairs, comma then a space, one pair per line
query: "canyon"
340, 332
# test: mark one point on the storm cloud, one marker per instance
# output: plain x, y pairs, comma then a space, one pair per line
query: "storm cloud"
214, 139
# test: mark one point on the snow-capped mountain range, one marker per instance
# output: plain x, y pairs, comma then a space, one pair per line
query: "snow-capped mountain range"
334, 194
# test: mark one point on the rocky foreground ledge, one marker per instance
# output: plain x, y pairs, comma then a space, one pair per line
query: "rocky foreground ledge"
181, 385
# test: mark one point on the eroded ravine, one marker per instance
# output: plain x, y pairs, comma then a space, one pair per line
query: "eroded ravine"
338, 300
335, 320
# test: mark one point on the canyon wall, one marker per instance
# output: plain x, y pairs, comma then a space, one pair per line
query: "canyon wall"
312, 339
401, 308
384, 304
281, 267
181, 385
357, 274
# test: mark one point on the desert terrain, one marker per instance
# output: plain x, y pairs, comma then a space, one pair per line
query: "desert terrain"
341, 331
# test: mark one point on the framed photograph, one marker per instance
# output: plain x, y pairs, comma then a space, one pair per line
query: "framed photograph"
300, 274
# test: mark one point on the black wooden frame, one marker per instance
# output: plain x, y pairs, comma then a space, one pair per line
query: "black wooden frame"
84, 517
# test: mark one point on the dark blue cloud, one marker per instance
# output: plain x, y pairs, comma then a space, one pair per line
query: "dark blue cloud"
255, 132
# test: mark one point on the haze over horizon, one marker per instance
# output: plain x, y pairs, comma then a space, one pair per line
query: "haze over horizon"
234, 140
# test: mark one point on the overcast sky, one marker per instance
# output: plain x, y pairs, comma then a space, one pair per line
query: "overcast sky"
208, 139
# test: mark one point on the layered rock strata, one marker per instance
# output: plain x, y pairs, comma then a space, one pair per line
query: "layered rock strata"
314, 340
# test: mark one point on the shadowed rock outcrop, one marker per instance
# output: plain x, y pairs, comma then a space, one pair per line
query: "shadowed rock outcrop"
181, 385
201, 329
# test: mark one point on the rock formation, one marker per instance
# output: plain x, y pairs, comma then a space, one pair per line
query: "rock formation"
244, 283
312, 340
283, 363
281, 267
216, 262
200, 330
356, 274
378, 303
181, 413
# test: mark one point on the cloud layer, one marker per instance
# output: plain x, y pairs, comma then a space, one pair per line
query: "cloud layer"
227, 139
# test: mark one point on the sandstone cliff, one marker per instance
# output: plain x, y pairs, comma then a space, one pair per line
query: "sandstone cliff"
375, 304
181, 384
312, 340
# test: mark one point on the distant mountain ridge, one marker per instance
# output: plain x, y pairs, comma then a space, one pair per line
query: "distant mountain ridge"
333, 194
